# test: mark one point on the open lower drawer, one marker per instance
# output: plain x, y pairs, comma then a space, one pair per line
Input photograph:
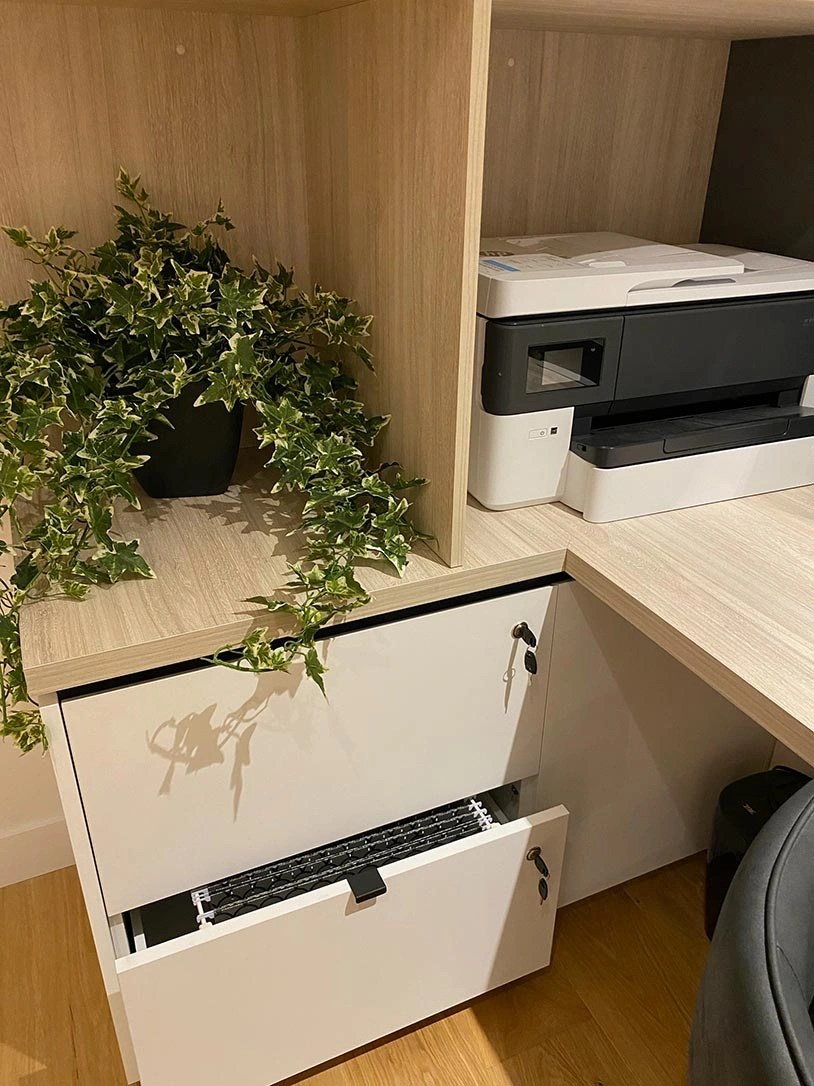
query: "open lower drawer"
261, 991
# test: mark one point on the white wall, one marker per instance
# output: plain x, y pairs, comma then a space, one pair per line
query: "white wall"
33, 837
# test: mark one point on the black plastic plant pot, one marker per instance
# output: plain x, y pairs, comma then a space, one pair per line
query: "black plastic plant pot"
196, 456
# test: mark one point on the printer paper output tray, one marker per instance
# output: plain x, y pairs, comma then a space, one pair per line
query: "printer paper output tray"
709, 431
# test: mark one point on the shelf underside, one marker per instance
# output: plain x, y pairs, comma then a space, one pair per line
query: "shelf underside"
697, 18
222, 7
702, 18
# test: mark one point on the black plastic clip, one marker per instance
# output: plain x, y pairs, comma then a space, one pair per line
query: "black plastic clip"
366, 883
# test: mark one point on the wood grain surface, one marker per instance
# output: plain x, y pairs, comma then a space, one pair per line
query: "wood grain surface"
593, 132
718, 18
56, 1025
239, 7
204, 106
395, 116
727, 589
210, 554
614, 1006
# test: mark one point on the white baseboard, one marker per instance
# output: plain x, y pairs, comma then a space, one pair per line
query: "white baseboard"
33, 851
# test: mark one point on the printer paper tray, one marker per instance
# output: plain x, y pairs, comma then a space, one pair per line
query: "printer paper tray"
687, 435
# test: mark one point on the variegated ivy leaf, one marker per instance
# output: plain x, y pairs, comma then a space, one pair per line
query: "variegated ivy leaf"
26, 728
314, 668
19, 236
118, 558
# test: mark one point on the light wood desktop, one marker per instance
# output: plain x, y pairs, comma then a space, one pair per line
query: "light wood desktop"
728, 589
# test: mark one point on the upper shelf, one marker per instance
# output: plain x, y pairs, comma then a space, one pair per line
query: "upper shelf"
694, 18
701, 18
223, 7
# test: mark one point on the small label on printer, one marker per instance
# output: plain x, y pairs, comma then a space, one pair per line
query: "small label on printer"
499, 265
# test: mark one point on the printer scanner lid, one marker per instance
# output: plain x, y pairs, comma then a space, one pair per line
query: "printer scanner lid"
559, 273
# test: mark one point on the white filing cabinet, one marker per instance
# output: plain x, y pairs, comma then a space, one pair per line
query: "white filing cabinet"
180, 780
194, 776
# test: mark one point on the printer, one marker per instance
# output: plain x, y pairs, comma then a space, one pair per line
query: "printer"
625, 377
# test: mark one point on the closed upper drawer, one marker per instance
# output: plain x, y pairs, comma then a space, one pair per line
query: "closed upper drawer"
189, 777
262, 996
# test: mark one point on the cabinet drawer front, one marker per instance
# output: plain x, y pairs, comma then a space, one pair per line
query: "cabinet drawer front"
256, 999
190, 777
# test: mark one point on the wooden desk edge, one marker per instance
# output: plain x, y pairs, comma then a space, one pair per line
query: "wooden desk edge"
794, 733
45, 679
119, 662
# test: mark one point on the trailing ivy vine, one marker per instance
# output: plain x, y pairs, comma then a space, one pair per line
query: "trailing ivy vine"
89, 362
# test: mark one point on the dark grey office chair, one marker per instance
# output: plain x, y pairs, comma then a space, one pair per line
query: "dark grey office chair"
753, 1024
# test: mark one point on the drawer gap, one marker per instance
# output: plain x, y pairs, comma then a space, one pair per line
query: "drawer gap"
294, 876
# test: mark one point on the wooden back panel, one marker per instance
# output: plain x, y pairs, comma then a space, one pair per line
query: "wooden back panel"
204, 106
600, 132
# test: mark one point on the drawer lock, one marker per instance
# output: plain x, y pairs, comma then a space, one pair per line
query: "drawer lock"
534, 856
522, 633
366, 883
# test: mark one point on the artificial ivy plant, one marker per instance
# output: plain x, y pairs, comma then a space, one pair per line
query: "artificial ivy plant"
91, 360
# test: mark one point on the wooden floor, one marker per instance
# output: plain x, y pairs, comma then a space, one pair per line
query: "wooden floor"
613, 1009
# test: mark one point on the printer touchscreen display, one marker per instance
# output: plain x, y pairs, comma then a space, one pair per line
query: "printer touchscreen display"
564, 365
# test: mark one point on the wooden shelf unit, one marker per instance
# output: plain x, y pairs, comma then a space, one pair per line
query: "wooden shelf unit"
370, 144
347, 142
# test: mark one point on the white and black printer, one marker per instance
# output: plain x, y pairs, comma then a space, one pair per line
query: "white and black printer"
625, 377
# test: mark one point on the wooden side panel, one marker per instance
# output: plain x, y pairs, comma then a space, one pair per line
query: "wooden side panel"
600, 132
635, 746
394, 121
204, 106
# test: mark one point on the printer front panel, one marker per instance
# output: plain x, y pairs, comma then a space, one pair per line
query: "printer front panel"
716, 345
530, 376
630, 388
